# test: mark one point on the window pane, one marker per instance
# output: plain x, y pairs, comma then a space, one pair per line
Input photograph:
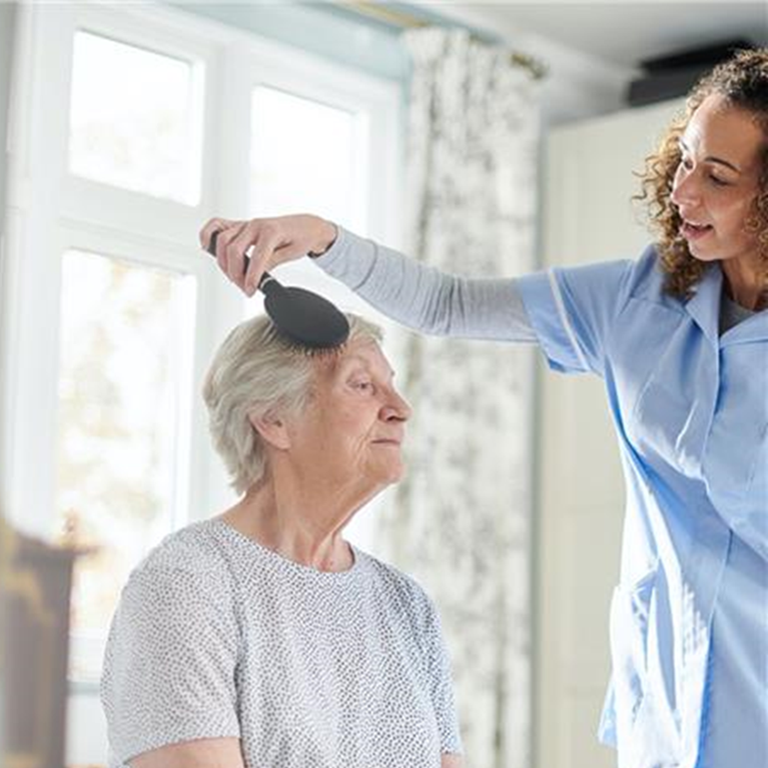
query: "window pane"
303, 157
133, 119
122, 377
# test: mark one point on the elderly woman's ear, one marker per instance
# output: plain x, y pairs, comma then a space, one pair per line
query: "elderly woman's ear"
273, 429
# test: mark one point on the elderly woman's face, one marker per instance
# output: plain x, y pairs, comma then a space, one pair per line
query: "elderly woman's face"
717, 180
350, 434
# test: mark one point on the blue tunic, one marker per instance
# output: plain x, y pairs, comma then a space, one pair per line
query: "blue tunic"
689, 619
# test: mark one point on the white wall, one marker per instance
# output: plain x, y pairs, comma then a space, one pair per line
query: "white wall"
7, 24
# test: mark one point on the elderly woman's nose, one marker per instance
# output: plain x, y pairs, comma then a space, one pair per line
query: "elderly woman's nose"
397, 407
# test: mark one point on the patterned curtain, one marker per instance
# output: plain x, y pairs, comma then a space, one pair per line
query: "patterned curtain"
460, 521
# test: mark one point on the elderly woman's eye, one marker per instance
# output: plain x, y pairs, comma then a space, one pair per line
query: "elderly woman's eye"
363, 385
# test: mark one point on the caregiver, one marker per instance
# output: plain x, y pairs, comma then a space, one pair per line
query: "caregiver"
680, 338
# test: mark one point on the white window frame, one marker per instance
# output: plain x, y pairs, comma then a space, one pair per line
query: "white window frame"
50, 211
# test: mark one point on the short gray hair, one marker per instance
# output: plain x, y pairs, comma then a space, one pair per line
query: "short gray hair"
255, 373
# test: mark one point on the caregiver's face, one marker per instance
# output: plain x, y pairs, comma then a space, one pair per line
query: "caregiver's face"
717, 180
352, 430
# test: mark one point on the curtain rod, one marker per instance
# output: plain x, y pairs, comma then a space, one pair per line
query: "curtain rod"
398, 18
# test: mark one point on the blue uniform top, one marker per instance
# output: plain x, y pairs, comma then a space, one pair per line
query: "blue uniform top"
689, 619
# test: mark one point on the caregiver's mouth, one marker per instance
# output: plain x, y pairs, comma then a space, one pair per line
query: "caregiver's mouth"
695, 231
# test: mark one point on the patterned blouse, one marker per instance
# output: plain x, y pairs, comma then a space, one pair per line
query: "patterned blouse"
216, 636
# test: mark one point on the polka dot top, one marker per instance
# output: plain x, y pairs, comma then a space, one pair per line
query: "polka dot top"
216, 636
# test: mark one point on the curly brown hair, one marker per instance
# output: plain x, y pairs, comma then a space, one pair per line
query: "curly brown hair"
743, 81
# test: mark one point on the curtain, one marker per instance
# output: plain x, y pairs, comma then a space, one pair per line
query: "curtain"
460, 520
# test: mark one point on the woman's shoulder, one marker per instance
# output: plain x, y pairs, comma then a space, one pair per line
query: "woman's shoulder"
614, 282
195, 551
179, 593
647, 279
183, 583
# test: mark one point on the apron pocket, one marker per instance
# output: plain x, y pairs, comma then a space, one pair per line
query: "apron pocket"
629, 621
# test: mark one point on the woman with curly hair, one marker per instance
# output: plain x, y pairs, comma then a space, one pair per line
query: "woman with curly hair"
680, 337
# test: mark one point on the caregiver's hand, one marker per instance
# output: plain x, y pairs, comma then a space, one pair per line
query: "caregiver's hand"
273, 241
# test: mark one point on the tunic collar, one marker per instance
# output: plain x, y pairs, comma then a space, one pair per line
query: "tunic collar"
704, 308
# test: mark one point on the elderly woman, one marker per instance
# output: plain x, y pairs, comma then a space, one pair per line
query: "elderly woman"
680, 338
261, 638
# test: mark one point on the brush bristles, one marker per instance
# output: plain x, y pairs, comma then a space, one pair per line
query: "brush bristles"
316, 352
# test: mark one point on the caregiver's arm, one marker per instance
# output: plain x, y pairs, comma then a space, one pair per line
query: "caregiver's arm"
416, 296
201, 753
424, 298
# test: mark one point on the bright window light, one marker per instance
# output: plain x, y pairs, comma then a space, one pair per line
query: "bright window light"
134, 121
306, 156
122, 376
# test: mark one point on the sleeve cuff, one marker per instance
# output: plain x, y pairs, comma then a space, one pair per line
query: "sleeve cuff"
149, 741
332, 260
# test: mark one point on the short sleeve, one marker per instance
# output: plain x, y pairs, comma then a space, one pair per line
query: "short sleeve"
441, 685
169, 671
572, 311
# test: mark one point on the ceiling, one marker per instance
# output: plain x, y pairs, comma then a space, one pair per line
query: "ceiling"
619, 32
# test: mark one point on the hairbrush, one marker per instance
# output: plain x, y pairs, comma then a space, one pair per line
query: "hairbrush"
304, 318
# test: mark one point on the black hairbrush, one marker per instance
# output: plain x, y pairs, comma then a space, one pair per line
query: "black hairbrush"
307, 320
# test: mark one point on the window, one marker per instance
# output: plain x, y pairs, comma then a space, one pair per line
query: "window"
305, 156
121, 453
134, 118
120, 151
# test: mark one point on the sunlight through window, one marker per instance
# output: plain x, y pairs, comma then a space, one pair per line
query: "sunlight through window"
306, 156
134, 119
122, 377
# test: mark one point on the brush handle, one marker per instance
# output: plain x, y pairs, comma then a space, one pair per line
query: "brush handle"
268, 285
